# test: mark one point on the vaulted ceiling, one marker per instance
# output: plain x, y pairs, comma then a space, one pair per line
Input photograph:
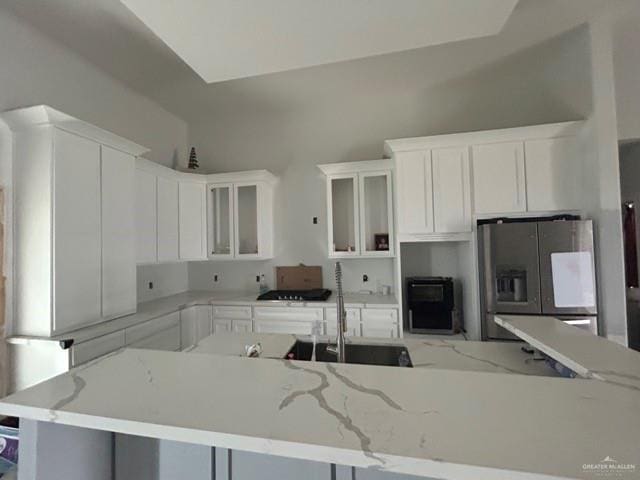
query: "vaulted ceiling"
228, 39
107, 34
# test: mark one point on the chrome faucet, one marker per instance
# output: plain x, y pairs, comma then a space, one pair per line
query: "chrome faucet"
339, 349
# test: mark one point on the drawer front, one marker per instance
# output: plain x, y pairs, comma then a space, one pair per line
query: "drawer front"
146, 329
353, 329
232, 312
288, 313
168, 339
86, 351
275, 326
380, 330
380, 314
222, 325
242, 326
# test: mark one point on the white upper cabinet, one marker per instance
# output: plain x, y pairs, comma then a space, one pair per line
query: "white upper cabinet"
451, 190
189, 217
76, 233
74, 242
118, 233
246, 220
433, 193
359, 209
220, 224
499, 178
168, 226
415, 192
146, 215
240, 216
553, 178
445, 181
192, 215
376, 213
343, 224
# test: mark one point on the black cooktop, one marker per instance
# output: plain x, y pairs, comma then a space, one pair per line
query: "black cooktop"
316, 295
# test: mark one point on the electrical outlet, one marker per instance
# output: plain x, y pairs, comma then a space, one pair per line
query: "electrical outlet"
315, 220
365, 278
215, 277
150, 285
258, 278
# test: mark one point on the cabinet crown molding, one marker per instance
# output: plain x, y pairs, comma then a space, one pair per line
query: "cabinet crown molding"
360, 166
263, 176
43, 115
531, 132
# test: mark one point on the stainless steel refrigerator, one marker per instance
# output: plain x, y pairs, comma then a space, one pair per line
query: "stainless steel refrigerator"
537, 268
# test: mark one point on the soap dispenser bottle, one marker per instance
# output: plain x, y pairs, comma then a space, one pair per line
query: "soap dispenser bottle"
264, 288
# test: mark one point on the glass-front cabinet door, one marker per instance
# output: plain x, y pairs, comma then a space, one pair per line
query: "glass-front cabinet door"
343, 216
376, 214
220, 225
246, 220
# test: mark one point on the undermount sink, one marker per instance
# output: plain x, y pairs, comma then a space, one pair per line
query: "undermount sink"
372, 354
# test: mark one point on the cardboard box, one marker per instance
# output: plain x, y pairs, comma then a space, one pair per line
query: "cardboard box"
298, 278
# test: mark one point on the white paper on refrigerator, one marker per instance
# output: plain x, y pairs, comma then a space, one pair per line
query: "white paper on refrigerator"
573, 279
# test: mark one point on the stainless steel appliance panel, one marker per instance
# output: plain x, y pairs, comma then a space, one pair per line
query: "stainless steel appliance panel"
511, 268
589, 323
494, 331
566, 237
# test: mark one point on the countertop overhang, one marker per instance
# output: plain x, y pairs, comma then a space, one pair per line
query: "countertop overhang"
429, 422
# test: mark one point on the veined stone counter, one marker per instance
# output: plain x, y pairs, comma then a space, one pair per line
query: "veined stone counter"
430, 422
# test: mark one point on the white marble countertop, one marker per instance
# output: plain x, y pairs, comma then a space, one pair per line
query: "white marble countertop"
430, 422
498, 357
173, 303
586, 354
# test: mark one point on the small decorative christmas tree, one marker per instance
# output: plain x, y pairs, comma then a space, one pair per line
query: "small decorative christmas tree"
193, 160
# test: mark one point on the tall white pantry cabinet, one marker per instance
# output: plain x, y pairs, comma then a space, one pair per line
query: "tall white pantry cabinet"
74, 225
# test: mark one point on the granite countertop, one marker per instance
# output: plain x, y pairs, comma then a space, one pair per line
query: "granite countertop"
432, 422
173, 303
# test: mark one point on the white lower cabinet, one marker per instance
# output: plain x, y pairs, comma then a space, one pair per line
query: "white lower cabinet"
229, 325
195, 324
221, 325
168, 340
139, 458
251, 466
353, 321
224, 311
353, 329
242, 326
380, 322
308, 314
162, 333
380, 329
282, 326
96, 347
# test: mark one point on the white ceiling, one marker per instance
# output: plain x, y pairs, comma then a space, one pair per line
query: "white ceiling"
229, 39
108, 35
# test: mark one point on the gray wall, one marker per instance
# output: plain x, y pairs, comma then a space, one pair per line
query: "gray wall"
36, 70
547, 83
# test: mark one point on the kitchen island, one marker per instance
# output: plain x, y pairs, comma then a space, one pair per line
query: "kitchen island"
317, 419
